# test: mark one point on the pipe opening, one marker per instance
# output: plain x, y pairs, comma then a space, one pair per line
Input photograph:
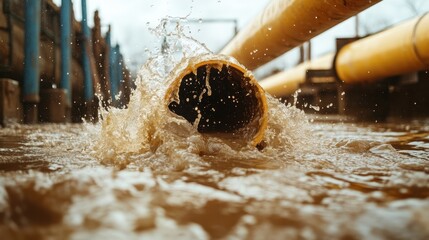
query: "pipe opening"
219, 98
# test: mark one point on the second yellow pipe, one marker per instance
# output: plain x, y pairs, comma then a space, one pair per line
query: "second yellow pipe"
398, 50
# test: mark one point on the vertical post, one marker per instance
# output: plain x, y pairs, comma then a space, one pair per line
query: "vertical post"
112, 67
66, 49
88, 88
357, 25
118, 65
126, 84
31, 96
309, 50
301, 54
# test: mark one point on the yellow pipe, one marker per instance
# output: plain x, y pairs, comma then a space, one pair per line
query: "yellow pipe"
285, 24
221, 98
398, 50
287, 82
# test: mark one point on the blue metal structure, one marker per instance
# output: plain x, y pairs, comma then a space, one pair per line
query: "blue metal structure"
112, 67
118, 65
65, 24
88, 86
31, 51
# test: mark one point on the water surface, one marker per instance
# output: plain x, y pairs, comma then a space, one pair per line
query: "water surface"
358, 181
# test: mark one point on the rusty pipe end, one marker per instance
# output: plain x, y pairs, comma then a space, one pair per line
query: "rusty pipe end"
221, 98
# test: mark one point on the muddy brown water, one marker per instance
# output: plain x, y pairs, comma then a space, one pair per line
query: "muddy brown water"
356, 181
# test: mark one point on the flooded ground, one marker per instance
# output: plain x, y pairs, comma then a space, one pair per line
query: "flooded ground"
360, 181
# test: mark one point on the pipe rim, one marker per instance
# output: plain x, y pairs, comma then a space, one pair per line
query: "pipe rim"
260, 94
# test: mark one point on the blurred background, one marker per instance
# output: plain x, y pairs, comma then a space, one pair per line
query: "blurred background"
215, 22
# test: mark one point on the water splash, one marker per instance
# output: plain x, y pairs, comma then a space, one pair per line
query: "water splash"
148, 134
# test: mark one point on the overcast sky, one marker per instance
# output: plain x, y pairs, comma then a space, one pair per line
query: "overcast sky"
131, 20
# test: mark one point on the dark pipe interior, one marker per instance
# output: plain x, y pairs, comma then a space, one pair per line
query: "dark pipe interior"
231, 106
